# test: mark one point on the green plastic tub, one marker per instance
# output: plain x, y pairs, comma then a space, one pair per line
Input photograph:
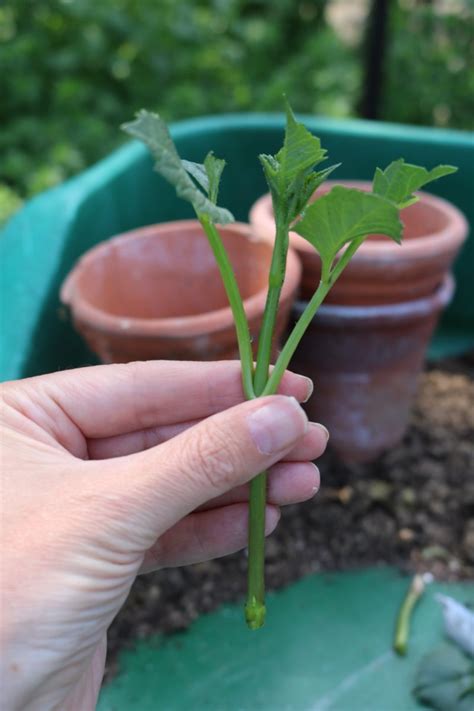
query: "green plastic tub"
41, 243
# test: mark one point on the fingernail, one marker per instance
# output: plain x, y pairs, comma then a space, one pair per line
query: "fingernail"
317, 479
310, 386
272, 516
278, 425
323, 429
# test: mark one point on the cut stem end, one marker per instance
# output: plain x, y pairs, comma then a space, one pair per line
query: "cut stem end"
255, 614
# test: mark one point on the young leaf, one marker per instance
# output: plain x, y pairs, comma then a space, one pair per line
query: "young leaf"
198, 172
270, 167
207, 174
399, 181
289, 173
303, 192
343, 215
301, 150
445, 680
151, 129
214, 167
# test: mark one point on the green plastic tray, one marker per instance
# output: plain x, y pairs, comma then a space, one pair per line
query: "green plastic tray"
326, 647
40, 244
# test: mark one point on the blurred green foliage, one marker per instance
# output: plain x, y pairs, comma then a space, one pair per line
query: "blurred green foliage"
73, 70
430, 65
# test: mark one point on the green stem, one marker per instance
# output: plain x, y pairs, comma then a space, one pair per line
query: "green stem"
402, 628
235, 301
295, 337
307, 316
275, 284
255, 607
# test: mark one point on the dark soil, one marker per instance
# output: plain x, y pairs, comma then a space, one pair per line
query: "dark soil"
413, 507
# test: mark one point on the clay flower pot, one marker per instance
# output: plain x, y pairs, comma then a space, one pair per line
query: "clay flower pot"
382, 272
365, 362
156, 292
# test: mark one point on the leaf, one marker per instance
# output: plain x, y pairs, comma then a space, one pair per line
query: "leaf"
445, 680
289, 173
152, 130
207, 174
399, 181
270, 168
214, 167
301, 150
343, 215
198, 172
309, 184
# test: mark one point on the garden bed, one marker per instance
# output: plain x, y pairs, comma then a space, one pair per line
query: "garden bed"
413, 507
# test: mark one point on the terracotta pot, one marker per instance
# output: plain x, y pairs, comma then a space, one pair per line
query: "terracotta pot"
156, 292
382, 272
365, 361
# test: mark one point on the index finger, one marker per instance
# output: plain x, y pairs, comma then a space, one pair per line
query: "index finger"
108, 400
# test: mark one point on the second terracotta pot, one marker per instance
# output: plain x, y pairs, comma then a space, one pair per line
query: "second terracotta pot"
381, 271
156, 292
365, 362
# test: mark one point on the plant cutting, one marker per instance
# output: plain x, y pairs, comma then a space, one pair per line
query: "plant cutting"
402, 627
335, 225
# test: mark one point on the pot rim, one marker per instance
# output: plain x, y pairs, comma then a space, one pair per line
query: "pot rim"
176, 326
446, 239
385, 313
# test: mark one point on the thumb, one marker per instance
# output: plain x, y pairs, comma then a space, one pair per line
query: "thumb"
226, 450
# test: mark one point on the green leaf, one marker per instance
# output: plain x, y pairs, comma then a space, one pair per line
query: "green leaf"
198, 172
270, 168
303, 192
207, 174
301, 150
152, 130
214, 167
343, 215
399, 181
445, 680
289, 173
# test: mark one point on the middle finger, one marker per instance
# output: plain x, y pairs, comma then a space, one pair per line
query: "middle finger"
288, 483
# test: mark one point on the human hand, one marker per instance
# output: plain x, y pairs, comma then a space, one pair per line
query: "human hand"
121, 469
